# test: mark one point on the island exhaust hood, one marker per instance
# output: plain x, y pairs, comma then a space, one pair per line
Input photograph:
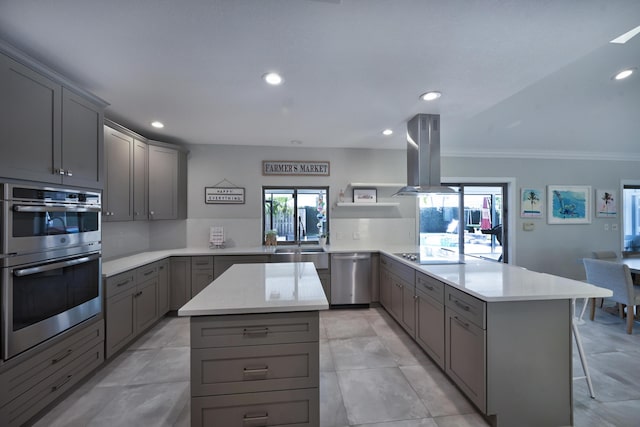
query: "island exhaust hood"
423, 156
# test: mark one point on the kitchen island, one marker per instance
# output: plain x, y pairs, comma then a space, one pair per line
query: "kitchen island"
255, 347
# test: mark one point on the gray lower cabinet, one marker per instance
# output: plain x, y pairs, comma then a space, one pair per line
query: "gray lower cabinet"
49, 132
222, 262
201, 273
494, 352
164, 289
180, 282
131, 305
38, 379
430, 317
255, 370
117, 200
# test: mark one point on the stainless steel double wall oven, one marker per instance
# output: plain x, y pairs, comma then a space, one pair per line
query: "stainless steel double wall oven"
50, 241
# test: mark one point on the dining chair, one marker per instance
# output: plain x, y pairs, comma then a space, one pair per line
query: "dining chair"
607, 255
616, 277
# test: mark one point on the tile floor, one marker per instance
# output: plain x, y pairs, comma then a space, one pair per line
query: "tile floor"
371, 374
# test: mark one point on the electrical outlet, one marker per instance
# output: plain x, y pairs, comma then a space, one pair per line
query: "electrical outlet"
606, 227
614, 226
356, 235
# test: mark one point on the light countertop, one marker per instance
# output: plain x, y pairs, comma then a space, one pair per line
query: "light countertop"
487, 280
260, 288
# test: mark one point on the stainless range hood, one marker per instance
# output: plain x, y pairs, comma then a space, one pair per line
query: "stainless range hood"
423, 156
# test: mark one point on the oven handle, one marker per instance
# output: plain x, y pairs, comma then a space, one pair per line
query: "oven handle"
55, 265
55, 208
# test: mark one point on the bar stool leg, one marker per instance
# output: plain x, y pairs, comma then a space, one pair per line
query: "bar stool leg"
583, 358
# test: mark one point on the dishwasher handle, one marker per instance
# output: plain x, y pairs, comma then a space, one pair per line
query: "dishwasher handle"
351, 257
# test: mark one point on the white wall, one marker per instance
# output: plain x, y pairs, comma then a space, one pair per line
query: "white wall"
208, 165
555, 249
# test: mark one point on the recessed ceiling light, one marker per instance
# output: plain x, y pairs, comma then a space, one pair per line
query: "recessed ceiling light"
387, 132
296, 142
157, 124
273, 78
624, 74
626, 36
430, 96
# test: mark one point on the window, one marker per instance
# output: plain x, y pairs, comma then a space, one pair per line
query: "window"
482, 232
631, 217
297, 214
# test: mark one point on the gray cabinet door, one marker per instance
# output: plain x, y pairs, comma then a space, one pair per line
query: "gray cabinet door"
466, 357
120, 321
146, 300
30, 121
163, 183
82, 142
385, 288
430, 327
408, 308
200, 279
180, 284
118, 199
396, 298
140, 180
163, 287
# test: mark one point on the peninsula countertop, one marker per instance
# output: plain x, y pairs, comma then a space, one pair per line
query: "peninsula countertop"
260, 288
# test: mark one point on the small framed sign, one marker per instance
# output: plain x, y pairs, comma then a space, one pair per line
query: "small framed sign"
365, 195
224, 195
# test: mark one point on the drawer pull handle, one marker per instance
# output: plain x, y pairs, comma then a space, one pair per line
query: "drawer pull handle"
255, 331
465, 324
255, 373
123, 283
255, 420
61, 383
202, 263
137, 294
161, 267
462, 306
149, 272
429, 287
59, 358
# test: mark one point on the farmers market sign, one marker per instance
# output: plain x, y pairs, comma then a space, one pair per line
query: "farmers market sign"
288, 167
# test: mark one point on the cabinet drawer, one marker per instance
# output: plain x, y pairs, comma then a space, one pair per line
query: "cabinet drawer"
291, 408
120, 283
249, 369
147, 272
470, 307
254, 329
430, 286
42, 393
21, 378
205, 262
404, 272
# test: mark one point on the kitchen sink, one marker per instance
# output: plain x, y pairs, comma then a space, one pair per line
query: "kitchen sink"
299, 250
315, 255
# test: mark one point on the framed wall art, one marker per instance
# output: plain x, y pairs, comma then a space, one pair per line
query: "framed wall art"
569, 204
606, 204
531, 202
365, 195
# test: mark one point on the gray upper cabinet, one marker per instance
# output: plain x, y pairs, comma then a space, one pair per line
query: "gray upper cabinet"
167, 183
140, 180
117, 195
30, 122
49, 133
82, 161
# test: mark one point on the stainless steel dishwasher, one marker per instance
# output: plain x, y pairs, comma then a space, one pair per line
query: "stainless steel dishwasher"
351, 278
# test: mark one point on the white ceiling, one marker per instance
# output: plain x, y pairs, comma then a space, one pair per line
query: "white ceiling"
518, 76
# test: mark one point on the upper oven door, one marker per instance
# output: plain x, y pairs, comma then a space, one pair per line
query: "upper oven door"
40, 227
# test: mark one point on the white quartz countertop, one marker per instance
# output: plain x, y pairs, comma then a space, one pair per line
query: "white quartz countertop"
260, 288
487, 280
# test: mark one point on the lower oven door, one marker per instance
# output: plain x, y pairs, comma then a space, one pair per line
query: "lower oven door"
41, 300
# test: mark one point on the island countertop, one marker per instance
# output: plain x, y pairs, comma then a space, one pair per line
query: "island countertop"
260, 288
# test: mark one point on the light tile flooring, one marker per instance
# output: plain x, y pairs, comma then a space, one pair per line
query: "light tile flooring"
371, 374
